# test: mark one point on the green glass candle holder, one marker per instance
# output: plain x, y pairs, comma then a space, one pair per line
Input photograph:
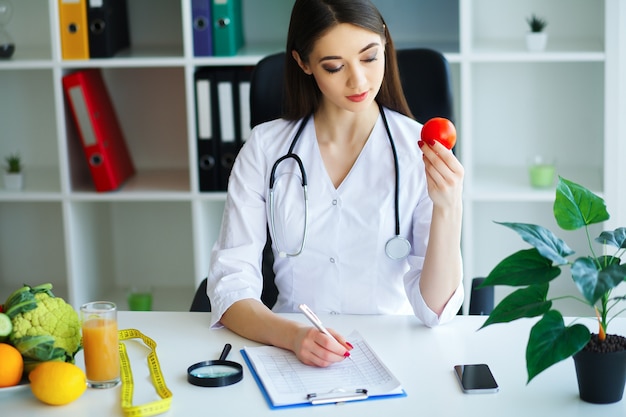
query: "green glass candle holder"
542, 173
139, 299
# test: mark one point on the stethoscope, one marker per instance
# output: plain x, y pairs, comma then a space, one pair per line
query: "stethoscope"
396, 248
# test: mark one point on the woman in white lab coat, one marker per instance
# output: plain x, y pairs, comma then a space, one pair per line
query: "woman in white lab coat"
343, 73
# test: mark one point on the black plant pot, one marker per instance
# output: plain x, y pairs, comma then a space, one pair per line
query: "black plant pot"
601, 376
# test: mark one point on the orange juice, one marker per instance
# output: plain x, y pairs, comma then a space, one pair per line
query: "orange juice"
100, 345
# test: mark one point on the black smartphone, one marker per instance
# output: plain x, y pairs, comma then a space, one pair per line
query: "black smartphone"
476, 378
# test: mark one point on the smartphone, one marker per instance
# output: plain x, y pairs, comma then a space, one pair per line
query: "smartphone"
476, 378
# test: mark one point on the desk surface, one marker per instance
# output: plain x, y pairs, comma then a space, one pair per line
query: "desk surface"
421, 358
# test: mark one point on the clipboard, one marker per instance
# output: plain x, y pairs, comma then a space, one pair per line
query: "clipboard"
379, 383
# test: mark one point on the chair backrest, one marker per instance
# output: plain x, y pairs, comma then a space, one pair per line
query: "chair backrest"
424, 73
481, 299
426, 81
267, 90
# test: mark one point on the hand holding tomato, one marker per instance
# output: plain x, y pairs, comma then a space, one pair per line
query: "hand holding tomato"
441, 130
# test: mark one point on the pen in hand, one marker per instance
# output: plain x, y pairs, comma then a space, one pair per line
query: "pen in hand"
318, 323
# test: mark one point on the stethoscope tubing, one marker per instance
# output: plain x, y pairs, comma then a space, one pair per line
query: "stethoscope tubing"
290, 155
295, 157
396, 248
397, 172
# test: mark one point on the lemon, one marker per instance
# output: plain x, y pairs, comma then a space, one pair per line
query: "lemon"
57, 383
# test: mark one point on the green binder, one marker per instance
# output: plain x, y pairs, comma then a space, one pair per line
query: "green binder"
227, 27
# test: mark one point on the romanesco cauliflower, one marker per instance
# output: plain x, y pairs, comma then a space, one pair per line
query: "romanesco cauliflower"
45, 327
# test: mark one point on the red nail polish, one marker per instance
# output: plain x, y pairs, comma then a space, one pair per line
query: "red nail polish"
347, 354
350, 345
420, 143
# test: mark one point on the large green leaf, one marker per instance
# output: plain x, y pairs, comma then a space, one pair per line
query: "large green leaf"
615, 238
40, 348
551, 341
525, 302
524, 267
575, 206
593, 283
543, 239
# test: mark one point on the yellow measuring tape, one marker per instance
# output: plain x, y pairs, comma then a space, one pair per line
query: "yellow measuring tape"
151, 408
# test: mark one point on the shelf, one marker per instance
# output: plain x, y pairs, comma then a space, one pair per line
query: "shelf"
172, 185
213, 196
512, 184
28, 58
144, 58
558, 50
40, 184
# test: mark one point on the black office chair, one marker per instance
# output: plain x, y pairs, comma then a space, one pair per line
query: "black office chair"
426, 81
425, 77
201, 301
481, 299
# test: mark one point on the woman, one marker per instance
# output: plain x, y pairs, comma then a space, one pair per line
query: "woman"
343, 91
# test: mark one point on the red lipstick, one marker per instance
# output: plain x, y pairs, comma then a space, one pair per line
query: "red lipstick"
358, 97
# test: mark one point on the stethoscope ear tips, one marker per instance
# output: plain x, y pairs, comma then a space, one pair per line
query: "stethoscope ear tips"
282, 254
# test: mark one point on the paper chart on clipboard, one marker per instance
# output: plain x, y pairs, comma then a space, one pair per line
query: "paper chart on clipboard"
287, 382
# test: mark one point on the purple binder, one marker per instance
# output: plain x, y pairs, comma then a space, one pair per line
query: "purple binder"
202, 33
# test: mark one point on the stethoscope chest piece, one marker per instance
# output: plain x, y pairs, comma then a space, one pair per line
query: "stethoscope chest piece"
397, 248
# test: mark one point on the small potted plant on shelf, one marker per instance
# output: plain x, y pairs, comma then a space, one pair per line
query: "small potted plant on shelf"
13, 176
596, 275
536, 38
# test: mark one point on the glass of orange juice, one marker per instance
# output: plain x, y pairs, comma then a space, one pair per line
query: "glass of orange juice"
100, 344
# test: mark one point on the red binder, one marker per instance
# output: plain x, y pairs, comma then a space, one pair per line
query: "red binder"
103, 141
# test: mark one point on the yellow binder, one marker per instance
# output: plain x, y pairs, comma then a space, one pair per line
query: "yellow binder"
74, 30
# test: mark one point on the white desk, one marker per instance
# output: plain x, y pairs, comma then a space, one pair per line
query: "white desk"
421, 358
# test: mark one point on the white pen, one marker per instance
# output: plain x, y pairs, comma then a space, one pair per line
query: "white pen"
317, 323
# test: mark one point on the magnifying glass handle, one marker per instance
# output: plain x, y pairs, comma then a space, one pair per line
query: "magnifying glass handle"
226, 351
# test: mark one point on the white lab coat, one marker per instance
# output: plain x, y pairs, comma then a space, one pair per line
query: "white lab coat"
344, 267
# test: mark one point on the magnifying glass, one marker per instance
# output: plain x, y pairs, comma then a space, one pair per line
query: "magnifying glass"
216, 373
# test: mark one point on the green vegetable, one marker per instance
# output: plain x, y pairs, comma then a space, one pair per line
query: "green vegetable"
5, 326
45, 327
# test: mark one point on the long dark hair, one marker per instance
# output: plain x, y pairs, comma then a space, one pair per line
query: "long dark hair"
310, 19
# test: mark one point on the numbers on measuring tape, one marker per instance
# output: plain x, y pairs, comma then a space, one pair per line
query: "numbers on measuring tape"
151, 408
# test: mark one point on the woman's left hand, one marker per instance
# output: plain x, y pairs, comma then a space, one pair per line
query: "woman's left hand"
442, 270
444, 174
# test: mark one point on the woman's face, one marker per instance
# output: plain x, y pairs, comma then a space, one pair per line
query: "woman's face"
348, 64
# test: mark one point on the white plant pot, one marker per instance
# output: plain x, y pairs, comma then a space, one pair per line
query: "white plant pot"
536, 41
14, 182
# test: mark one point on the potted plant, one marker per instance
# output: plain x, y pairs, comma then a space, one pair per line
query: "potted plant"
596, 275
536, 38
13, 177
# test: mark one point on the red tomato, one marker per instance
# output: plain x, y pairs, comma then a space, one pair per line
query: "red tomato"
440, 129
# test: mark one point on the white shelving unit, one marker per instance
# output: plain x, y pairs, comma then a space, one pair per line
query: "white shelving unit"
522, 104
510, 104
